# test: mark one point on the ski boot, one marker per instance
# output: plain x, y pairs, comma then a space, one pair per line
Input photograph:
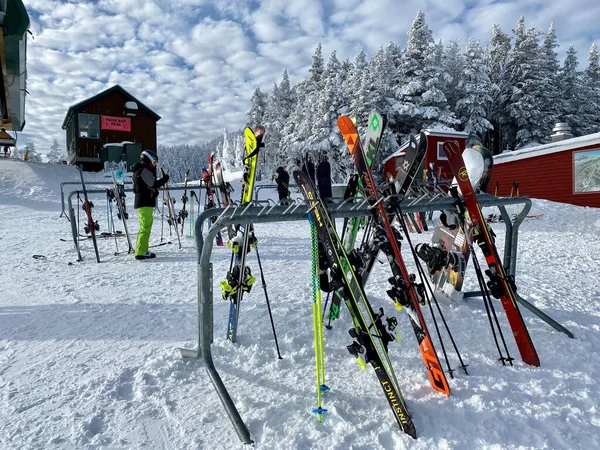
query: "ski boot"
87, 229
249, 280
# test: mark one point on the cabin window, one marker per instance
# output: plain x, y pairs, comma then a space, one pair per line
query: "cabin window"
89, 126
441, 155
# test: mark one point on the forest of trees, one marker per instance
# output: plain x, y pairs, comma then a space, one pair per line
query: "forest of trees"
507, 94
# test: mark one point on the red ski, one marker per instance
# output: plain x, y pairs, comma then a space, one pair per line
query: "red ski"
501, 285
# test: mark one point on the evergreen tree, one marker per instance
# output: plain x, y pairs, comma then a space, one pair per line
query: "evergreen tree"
571, 86
590, 90
500, 91
471, 107
32, 153
549, 72
421, 103
55, 154
526, 106
454, 65
316, 69
297, 134
286, 96
256, 113
355, 82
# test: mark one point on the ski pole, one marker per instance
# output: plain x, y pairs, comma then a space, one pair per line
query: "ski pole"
264, 284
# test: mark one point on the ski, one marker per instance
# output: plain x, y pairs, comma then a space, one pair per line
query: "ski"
119, 195
225, 189
239, 278
210, 196
91, 226
501, 285
184, 198
370, 335
403, 291
377, 124
172, 217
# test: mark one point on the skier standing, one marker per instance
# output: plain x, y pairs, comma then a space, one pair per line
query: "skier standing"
145, 187
282, 178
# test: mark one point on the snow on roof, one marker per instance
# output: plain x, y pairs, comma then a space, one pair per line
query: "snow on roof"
445, 132
546, 149
117, 144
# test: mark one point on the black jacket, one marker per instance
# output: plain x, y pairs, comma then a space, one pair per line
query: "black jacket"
283, 182
145, 186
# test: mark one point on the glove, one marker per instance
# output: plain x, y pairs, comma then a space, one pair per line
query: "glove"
165, 178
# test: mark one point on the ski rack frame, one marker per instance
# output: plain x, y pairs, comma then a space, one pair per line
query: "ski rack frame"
95, 183
71, 212
298, 211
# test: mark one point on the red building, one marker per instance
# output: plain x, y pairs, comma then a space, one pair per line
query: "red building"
113, 115
435, 152
566, 171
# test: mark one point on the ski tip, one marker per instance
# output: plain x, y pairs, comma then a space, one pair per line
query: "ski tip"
346, 125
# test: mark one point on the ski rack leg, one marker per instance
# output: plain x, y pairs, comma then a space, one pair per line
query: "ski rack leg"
74, 225
205, 325
510, 261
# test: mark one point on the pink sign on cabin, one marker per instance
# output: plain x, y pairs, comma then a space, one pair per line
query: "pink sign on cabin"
115, 123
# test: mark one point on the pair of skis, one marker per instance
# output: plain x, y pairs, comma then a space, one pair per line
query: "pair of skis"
239, 270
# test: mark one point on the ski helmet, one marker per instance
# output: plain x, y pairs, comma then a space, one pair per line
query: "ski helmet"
150, 156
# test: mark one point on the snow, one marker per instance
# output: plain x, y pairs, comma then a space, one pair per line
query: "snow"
89, 359
547, 149
117, 144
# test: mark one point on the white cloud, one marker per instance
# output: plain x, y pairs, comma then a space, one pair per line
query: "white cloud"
196, 62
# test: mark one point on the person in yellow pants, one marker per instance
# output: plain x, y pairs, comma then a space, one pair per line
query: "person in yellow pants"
145, 187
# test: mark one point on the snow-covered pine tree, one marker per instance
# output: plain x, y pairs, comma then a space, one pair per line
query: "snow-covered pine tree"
500, 90
55, 154
420, 101
32, 153
548, 71
471, 108
526, 106
454, 64
300, 125
256, 113
570, 94
590, 103
280, 103
355, 81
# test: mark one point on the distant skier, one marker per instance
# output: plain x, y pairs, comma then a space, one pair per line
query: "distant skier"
145, 187
282, 178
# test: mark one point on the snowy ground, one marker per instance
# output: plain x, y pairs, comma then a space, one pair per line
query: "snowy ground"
89, 359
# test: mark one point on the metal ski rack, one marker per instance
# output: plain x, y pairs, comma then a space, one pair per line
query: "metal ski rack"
94, 183
297, 211
71, 210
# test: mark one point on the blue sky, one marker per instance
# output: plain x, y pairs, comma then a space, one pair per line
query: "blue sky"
196, 62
